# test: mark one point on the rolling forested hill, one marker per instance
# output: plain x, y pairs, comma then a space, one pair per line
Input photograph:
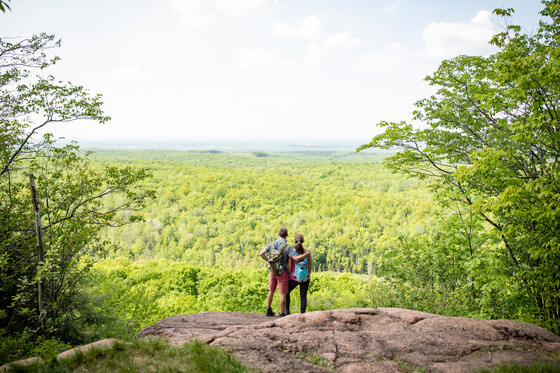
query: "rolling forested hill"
217, 208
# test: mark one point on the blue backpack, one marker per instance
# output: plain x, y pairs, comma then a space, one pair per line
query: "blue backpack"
301, 272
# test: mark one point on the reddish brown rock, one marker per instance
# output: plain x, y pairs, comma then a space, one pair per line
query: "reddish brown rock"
62, 355
84, 348
24, 362
364, 340
204, 326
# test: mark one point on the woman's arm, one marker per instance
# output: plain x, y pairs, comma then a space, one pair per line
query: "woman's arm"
290, 264
310, 262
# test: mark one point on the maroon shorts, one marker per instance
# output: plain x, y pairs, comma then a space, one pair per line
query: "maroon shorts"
282, 281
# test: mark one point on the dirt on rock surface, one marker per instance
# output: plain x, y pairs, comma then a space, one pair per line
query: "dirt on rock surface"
364, 340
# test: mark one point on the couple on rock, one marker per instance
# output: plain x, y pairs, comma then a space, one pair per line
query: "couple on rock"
287, 278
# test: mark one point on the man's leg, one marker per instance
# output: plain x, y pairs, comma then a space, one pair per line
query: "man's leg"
272, 284
283, 287
282, 304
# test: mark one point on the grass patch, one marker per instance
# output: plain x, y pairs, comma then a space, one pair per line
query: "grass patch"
514, 368
143, 355
408, 368
314, 359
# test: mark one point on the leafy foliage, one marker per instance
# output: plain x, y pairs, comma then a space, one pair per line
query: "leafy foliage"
222, 209
146, 291
490, 142
70, 194
4, 5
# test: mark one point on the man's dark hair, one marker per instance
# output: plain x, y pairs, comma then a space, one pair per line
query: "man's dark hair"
283, 232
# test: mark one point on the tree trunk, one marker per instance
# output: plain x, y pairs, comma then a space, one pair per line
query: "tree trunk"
40, 256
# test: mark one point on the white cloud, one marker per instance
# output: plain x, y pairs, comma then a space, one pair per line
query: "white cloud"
133, 73
391, 8
255, 60
289, 64
196, 13
202, 13
445, 40
260, 59
379, 61
394, 57
243, 8
316, 54
396, 47
310, 28
341, 42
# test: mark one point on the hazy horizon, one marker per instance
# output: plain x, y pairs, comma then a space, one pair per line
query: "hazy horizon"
269, 144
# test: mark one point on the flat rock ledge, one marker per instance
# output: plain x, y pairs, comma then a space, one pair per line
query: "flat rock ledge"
363, 340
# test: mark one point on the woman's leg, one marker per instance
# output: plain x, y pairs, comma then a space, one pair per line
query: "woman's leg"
303, 287
291, 287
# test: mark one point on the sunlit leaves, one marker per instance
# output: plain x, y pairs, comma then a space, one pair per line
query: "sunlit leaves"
495, 121
71, 195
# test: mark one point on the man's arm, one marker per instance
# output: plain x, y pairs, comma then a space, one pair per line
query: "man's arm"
263, 254
310, 263
305, 254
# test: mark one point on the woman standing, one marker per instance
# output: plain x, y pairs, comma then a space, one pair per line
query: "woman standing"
300, 273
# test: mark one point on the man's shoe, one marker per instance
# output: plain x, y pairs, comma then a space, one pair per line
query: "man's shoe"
269, 312
282, 314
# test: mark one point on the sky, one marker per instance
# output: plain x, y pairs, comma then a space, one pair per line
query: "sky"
192, 70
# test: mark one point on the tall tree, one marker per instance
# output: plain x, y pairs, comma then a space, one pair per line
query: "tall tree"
491, 140
70, 194
4, 5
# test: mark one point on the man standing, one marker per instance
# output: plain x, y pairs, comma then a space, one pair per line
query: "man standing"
281, 280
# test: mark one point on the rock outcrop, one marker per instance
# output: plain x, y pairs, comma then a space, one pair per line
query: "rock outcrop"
99, 344
364, 340
63, 355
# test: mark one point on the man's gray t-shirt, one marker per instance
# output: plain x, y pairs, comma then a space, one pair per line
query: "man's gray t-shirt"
287, 252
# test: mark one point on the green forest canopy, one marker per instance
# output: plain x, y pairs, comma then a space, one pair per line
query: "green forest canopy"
222, 209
